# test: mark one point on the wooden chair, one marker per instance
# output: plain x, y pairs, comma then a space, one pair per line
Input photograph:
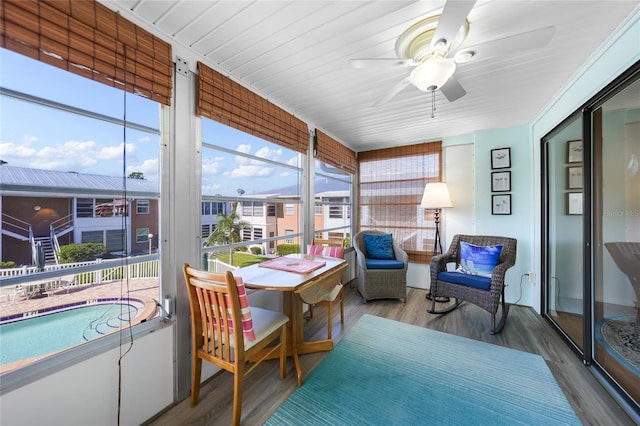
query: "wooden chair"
323, 248
483, 291
216, 319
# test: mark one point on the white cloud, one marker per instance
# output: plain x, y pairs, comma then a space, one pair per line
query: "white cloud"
212, 166
270, 154
149, 168
9, 150
244, 171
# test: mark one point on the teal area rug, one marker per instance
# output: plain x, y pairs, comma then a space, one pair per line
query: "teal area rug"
385, 372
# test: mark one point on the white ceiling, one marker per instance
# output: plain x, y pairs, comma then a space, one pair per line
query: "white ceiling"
296, 54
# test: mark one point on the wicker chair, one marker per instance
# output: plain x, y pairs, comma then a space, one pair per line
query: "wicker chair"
626, 256
488, 299
380, 283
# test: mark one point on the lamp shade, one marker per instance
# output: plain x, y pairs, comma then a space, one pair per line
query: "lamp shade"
433, 73
436, 196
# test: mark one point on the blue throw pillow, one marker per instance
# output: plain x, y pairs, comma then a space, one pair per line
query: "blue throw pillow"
479, 260
379, 246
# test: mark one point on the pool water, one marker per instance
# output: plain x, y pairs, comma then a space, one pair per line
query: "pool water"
61, 330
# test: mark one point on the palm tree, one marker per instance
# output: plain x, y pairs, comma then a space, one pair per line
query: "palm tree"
228, 231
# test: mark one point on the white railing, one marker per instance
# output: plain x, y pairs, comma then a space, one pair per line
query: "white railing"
146, 269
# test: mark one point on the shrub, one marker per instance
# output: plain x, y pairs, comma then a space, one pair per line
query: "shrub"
9, 264
256, 250
285, 249
84, 252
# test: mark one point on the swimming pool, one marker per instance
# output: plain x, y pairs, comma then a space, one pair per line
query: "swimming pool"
63, 327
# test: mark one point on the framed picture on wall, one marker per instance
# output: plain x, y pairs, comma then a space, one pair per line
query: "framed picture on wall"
574, 177
500, 181
574, 202
574, 152
501, 158
501, 204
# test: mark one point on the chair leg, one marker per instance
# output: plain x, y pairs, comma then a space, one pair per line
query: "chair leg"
341, 307
443, 311
330, 320
283, 352
310, 311
196, 371
238, 379
495, 329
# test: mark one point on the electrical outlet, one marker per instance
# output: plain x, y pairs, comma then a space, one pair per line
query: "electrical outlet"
532, 277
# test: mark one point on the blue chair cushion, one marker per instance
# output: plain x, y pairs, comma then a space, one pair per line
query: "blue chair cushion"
379, 246
475, 281
383, 264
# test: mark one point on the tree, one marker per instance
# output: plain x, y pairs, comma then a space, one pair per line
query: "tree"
136, 175
228, 231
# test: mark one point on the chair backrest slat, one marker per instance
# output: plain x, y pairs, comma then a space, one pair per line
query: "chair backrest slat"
209, 297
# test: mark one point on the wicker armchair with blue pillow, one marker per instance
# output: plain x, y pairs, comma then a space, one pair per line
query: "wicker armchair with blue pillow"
481, 264
382, 266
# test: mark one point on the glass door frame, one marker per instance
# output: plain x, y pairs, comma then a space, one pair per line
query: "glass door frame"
592, 224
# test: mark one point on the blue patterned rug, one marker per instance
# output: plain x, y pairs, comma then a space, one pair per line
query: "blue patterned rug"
620, 337
385, 372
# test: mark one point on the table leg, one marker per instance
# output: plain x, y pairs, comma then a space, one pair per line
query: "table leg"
294, 328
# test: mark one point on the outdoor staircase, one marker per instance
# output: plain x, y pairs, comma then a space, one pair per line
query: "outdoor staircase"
49, 257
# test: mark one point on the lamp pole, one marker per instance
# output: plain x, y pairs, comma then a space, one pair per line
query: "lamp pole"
150, 238
436, 196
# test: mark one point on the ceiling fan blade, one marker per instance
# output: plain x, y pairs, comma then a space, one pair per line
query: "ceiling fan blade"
452, 18
512, 44
394, 91
452, 89
380, 63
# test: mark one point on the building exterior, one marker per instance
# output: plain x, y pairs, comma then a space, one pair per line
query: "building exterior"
58, 208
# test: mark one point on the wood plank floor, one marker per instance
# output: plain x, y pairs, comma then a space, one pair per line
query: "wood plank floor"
525, 330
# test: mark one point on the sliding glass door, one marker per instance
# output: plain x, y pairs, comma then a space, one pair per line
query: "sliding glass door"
616, 290
565, 271
591, 233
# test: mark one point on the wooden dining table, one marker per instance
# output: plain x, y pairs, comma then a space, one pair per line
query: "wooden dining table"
297, 289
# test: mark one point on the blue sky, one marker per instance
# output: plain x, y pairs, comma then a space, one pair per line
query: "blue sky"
45, 138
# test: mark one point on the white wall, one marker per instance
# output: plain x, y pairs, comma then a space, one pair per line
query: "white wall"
86, 394
617, 54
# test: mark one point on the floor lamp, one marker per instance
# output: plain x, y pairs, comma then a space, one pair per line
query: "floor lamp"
436, 197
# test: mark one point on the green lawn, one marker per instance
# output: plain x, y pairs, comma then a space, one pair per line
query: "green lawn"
242, 259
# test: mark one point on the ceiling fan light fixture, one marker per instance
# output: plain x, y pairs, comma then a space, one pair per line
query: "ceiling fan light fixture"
433, 73
464, 56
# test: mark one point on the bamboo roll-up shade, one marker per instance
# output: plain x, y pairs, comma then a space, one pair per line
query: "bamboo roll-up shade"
88, 39
333, 152
391, 185
223, 100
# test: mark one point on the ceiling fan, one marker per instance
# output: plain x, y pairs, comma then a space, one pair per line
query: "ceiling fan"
432, 47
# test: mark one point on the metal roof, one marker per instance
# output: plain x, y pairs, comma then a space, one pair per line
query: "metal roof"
23, 180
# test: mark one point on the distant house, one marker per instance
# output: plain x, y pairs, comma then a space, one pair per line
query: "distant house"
59, 208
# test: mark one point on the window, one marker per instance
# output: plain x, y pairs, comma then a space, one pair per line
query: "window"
142, 235
333, 187
247, 174
288, 232
289, 209
392, 182
72, 128
84, 207
142, 206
